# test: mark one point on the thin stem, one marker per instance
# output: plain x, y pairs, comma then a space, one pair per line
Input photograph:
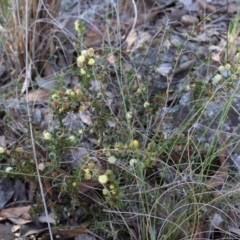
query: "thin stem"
28, 77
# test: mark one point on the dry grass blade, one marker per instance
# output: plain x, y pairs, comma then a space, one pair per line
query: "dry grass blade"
221, 175
219, 178
41, 15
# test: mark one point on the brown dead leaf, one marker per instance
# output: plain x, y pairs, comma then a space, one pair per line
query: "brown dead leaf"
48, 69
131, 38
216, 57
14, 113
189, 20
206, 6
112, 59
86, 117
87, 185
19, 221
39, 95
18, 212
95, 36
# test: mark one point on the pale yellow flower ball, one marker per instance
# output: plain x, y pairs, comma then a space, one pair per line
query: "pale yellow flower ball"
77, 25
81, 59
47, 136
128, 115
141, 89
87, 176
82, 108
19, 149
90, 52
103, 179
82, 71
78, 92
67, 92
132, 162
105, 191
2, 150
218, 77
112, 160
71, 138
221, 68
87, 170
228, 66
91, 61
74, 184
113, 192
79, 64
8, 169
70, 92
41, 166
146, 104
135, 143
54, 96
84, 53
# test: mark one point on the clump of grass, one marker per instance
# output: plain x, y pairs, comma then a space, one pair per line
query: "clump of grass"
147, 184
